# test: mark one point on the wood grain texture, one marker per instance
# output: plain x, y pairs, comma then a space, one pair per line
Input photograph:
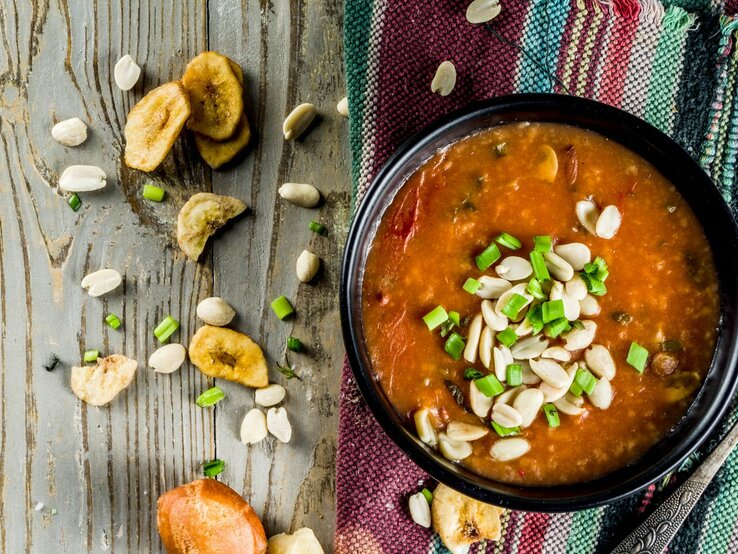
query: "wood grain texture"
101, 469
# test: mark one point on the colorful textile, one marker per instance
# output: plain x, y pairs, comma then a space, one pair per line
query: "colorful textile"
674, 64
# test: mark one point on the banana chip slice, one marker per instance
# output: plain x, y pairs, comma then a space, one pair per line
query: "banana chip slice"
98, 384
217, 153
216, 95
154, 124
201, 216
227, 354
461, 521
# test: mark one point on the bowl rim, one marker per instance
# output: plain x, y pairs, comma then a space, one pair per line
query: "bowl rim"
563, 109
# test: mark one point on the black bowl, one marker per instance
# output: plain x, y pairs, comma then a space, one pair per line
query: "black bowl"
676, 165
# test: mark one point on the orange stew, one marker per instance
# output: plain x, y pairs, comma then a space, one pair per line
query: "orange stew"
661, 293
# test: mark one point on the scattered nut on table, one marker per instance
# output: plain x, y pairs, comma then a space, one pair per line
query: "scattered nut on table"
215, 311
126, 73
278, 424
444, 80
70, 132
98, 384
270, 395
168, 359
482, 11
82, 178
101, 282
307, 266
253, 427
300, 194
343, 107
298, 121
302, 541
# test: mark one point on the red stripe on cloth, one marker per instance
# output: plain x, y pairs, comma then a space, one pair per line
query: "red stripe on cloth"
416, 38
512, 524
533, 534
615, 68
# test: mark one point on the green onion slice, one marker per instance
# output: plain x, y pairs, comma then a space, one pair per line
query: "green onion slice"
472, 373
551, 310
539, 266
556, 327
437, 316
74, 202
282, 307
472, 286
489, 385
488, 256
585, 381
210, 397
514, 375
428, 495
507, 337
211, 469
637, 357
516, 303
594, 286
166, 328
508, 241
535, 318
113, 320
317, 228
454, 346
536, 290
501, 149
455, 318
505, 431
295, 344
552, 415
671, 346
91, 355
153, 193
542, 243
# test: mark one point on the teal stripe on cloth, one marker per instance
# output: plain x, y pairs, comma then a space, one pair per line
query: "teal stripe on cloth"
545, 27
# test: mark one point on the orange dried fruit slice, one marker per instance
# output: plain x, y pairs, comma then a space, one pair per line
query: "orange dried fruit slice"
217, 154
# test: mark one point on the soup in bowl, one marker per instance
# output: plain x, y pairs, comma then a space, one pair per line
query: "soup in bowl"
531, 306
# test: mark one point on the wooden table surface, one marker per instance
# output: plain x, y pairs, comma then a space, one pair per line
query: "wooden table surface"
76, 478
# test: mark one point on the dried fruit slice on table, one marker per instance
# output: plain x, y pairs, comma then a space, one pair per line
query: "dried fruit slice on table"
461, 521
98, 384
217, 153
216, 95
201, 216
154, 124
228, 354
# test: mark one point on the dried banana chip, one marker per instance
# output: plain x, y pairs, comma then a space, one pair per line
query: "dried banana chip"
461, 521
227, 354
201, 216
154, 124
216, 95
237, 71
98, 384
216, 153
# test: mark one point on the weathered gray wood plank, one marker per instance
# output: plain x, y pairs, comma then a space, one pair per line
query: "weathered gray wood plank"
102, 469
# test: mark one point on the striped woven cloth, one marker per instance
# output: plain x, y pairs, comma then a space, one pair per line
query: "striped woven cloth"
673, 64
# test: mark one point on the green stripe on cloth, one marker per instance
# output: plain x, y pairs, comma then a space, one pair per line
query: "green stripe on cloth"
584, 531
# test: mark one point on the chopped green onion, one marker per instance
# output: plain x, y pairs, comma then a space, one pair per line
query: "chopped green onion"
295, 345
542, 243
153, 193
535, 318
536, 290
446, 327
472, 286
508, 241
585, 381
597, 269
91, 355
594, 286
74, 202
428, 495
551, 310
471, 373
507, 337
317, 228
454, 346
437, 316
113, 320
166, 328
488, 256
211, 469
671, 346
552, 415
501, 149
539, 266
577, 324
282, 307
556, 327
514, 375
505, 431
455, 318
637, 357
516, 303
209, 397
489, 385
